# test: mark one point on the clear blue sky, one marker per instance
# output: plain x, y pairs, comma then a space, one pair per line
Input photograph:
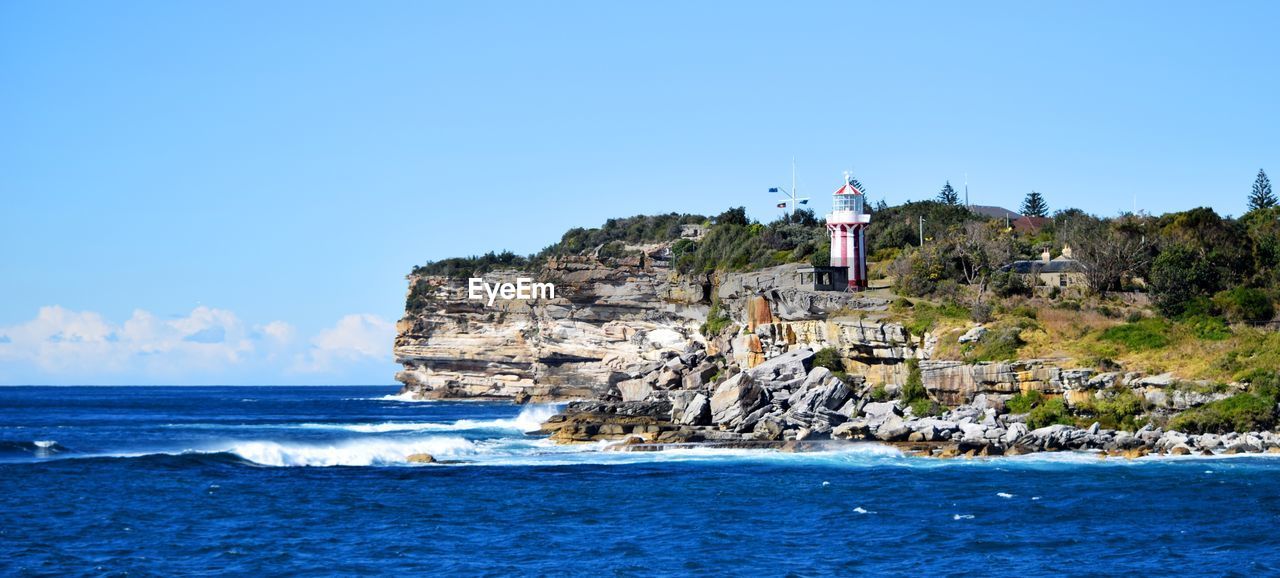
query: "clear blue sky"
220, 166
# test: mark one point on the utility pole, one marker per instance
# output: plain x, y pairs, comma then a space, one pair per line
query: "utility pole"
921, 230
966, 190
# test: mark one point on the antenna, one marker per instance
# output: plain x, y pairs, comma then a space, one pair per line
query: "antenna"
966, 190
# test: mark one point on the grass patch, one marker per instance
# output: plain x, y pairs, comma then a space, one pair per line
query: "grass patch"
1207, 327
1139, 336
925, 316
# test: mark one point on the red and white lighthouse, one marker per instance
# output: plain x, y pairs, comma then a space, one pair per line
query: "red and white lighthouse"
847, 222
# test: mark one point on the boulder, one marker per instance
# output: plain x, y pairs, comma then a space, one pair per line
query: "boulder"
893, 429
1162, 380
697, 412
976, 333
420, 459
735, 398
789, 365
668, 379
698, 376
820, 390
855, 429
880, 410
634, 390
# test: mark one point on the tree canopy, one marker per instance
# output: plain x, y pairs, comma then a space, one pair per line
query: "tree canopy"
1034, 205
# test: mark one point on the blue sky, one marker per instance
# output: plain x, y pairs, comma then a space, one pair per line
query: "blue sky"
247, 183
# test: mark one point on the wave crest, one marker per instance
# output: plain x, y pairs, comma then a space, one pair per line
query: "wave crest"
350, 453
529, 419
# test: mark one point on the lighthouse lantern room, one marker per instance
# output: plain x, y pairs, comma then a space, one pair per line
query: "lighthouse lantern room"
847, 224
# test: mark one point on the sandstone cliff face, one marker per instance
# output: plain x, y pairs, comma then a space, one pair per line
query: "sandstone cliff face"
606, 319
611, 320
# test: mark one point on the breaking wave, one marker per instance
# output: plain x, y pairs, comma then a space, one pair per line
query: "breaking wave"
529, 419
351, 453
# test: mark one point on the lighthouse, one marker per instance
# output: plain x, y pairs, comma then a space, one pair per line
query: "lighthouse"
847, 222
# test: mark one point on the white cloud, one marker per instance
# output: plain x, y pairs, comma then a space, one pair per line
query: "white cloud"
279, 332
208, 345
355, 338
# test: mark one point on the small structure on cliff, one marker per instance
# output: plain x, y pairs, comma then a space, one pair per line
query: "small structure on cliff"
1062, 271
847, 224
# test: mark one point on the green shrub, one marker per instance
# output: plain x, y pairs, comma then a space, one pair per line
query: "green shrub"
879, 393
1244, 304
421, 296
980, 312
1006, 284
1118, 410
1142, 335
1001, 343
914, 389
717, 320
1051, 412
1024, 402
925, 408
829, 358
1026, 311
1242, 412
1207, 327
1263, 383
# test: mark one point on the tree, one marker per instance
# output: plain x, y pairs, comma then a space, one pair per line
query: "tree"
1178, 276
948, 195
1034, 205
980, 249
1261, 198
1107, 251
734, 216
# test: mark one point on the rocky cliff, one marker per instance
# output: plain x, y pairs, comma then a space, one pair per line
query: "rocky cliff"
612, 319
608, 318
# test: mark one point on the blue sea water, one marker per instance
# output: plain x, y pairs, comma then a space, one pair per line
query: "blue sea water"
143, 481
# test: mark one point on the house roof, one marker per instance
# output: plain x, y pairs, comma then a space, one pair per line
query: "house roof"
1058, 265
994, 212
849, 188
1030, 224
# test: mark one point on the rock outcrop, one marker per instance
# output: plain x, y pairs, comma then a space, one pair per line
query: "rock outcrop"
605, 324
612, 319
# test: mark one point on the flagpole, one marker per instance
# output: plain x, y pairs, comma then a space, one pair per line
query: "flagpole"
793, 185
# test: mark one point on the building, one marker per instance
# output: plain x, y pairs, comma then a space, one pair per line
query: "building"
994, 212
823, 278
1030, 225
1061, 271
693, 232
847, 222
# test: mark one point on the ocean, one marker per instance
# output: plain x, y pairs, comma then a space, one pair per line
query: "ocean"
288, 481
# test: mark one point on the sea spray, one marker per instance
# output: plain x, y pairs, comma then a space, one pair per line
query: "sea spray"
351, 453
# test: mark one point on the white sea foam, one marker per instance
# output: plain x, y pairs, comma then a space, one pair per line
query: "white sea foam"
1005, 495
406, 397
352, 452
962, 517
45, 443
861, 510
529, 419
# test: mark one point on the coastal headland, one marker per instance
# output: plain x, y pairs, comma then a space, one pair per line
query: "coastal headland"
656, 341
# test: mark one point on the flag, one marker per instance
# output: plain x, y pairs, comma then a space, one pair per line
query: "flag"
782, 205
773, 189
804, 202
